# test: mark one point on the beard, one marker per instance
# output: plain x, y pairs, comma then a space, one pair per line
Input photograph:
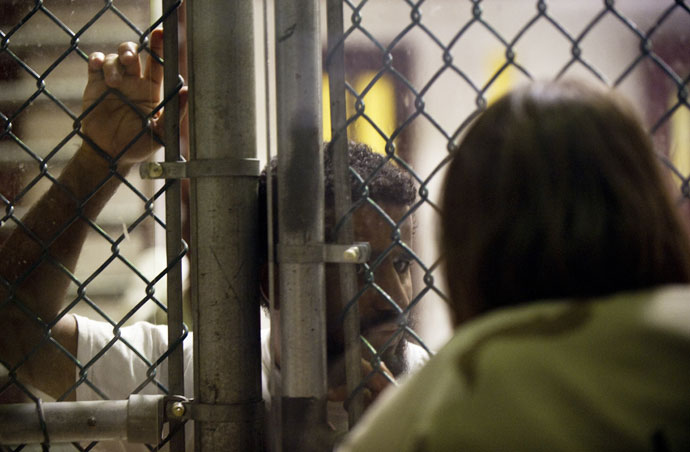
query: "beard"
395, 355
394, 358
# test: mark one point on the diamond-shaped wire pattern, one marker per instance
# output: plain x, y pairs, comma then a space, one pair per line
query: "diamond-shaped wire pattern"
417, 73
44, 48
449, 60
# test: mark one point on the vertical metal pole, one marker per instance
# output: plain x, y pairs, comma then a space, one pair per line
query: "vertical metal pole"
343, 200
300, 220
173, 236
227, 363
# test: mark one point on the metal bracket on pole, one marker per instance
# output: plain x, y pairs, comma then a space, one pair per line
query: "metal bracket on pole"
200, 168
356, 253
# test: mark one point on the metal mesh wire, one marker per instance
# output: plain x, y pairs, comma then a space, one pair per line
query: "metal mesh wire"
41, 30
618, 44
443, 61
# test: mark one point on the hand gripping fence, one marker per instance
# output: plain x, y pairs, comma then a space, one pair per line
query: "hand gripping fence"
406, 77
140, 418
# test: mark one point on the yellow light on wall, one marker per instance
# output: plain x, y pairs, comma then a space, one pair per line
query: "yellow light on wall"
680, 140
379, 106
326, 112
503, 82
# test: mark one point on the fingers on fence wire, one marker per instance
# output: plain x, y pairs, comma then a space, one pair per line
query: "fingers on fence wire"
129, 58
113, 70
375, 378
114, 67
96, 60
154, 70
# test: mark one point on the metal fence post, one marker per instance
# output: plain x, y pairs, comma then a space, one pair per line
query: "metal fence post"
173, 234
227, 364
300, 219
343, 196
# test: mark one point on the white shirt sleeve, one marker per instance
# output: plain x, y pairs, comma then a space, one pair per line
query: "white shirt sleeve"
116, 363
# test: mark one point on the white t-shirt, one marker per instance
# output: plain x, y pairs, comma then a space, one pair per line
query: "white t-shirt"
606, 374
115, 368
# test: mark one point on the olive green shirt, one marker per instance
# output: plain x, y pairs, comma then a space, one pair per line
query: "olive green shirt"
611, 373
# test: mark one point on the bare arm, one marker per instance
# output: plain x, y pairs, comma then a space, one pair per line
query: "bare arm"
58, 221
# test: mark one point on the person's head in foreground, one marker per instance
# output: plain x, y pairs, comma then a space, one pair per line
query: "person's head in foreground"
555, 192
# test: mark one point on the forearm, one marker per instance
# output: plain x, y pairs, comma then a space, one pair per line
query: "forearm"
57, 223
35, 262
38, 259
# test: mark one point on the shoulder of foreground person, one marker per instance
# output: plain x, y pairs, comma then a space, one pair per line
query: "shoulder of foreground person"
552, 375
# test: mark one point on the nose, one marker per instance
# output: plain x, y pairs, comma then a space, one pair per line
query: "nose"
396, 285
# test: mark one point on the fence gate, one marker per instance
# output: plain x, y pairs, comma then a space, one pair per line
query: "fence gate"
358, 296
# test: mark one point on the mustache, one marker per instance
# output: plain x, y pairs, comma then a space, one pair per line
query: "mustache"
387, 317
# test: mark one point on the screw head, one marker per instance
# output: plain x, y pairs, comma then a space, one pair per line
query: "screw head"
351, 254
177, 409
156, 170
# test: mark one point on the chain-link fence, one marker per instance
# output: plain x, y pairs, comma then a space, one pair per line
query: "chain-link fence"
415, 74
51, 163
404, 77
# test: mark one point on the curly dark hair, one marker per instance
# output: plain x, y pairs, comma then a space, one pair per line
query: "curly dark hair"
372, 175
381, 180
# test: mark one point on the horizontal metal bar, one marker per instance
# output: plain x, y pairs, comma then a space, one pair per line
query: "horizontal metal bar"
138, 419
200, 168
356, 253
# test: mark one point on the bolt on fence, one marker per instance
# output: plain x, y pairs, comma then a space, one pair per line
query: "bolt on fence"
404, 77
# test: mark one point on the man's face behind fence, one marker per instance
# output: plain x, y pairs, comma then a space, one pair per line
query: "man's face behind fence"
387, 281
379, 310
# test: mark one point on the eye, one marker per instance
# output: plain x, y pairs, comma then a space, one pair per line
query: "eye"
401, 264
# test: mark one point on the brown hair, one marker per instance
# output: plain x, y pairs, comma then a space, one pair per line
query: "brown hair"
555, 192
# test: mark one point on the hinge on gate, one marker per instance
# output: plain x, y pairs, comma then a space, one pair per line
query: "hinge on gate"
199, 168
356, 253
